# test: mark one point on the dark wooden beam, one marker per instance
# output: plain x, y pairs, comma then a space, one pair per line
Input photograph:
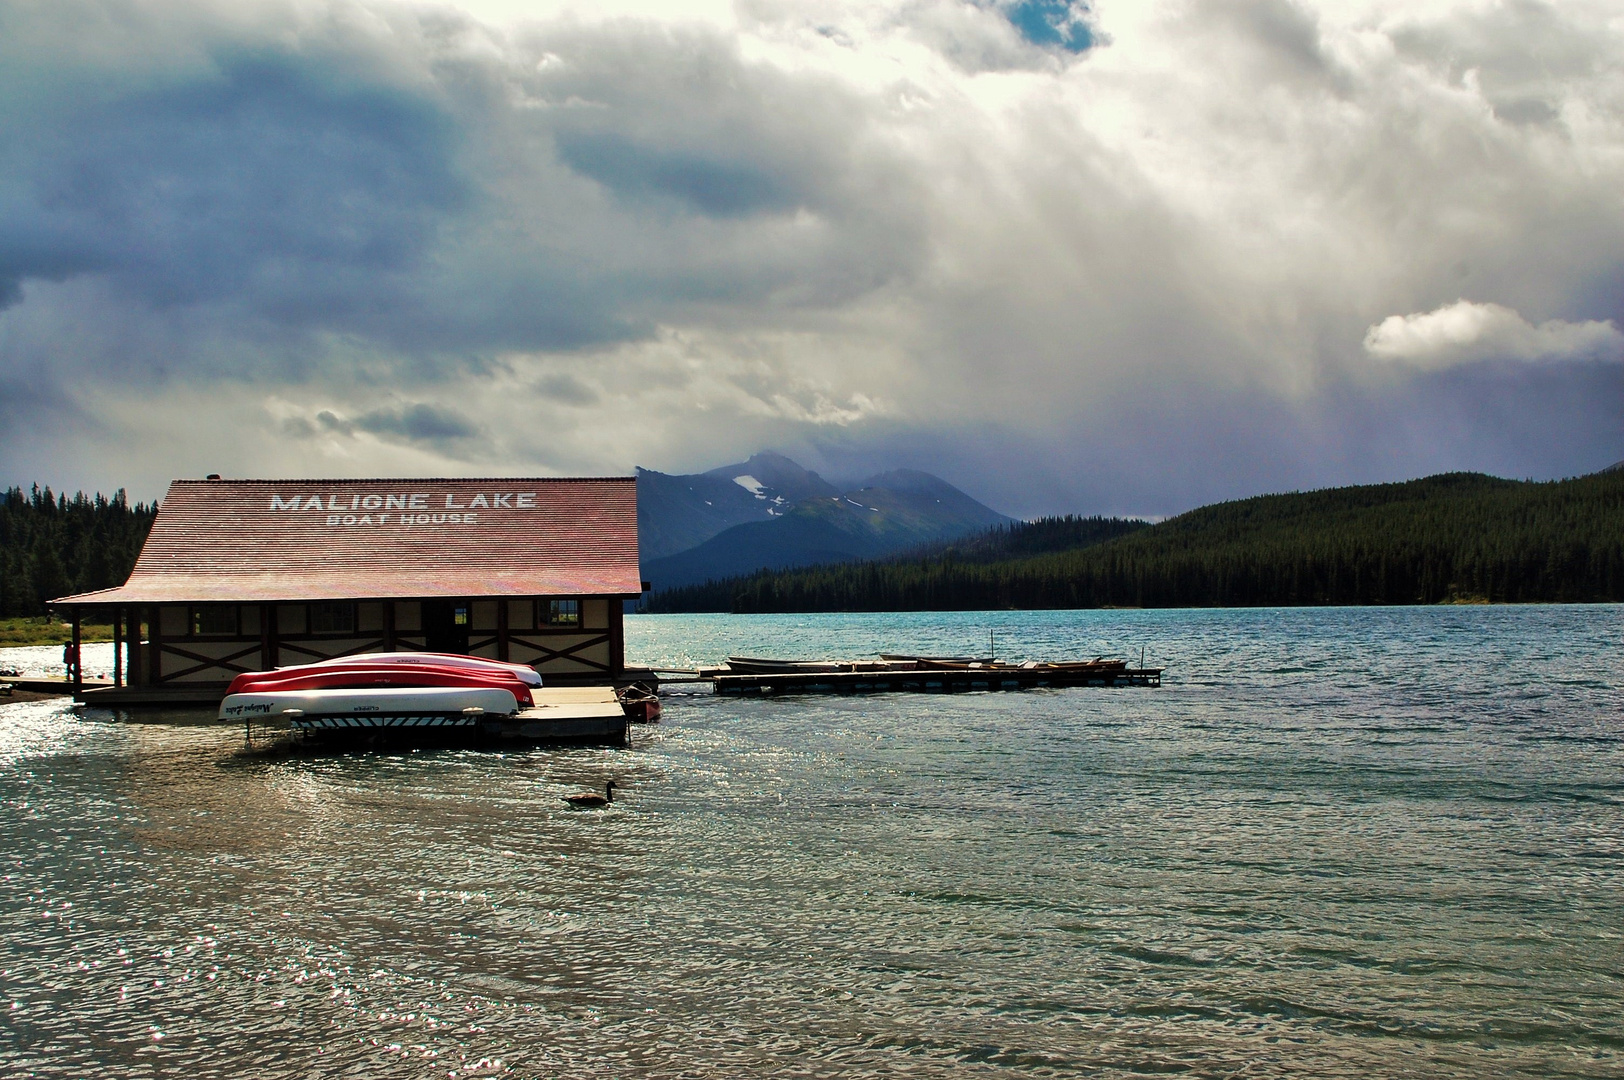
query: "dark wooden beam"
273, 640
502, 629
156, 648
617, 636
78, 667
132, 616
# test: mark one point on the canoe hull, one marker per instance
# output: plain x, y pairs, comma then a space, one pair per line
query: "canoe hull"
436, 706
522, 672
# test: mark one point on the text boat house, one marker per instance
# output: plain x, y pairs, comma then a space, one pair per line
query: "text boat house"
246, 575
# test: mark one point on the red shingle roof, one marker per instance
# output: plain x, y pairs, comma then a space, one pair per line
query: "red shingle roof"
257, 540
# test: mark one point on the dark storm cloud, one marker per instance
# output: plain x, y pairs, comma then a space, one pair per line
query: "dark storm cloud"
296, 181
639, 171
1520, 53
418, 422
270, 179
1166, 452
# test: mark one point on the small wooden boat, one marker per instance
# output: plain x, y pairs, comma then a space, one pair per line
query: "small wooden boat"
937, 659
754, 665
747, 665
641, 705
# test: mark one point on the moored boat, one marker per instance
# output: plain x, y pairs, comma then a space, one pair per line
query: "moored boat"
640, 703
901, 662
755, 665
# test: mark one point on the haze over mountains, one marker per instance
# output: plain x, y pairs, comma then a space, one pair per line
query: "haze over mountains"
769, 512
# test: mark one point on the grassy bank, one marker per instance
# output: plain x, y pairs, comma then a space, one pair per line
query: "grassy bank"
44, 630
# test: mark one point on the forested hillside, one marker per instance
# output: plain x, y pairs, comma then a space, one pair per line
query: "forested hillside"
1456, 537
53, 545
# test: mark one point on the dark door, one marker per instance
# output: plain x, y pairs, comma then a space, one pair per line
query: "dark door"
445, 626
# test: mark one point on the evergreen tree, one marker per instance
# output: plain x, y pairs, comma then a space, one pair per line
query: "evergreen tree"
52, 545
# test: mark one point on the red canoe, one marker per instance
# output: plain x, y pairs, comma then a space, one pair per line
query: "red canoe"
355, 677
524, 672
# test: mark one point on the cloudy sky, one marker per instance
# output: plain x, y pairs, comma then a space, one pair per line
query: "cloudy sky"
1109, 257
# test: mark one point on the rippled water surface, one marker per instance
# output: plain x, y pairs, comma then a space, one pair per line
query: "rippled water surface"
1334, 843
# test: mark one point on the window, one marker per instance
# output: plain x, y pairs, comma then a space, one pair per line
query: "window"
214, 620
563, 612
459, 615
332, 617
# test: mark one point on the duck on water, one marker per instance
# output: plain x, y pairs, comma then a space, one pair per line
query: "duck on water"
591, 800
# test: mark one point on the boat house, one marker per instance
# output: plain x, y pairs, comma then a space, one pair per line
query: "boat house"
247, 575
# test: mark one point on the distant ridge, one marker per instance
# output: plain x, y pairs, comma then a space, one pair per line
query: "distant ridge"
1458, 537
1617, 466
769, 512
679, 512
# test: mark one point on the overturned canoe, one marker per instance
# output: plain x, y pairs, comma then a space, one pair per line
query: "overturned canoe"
523, 672
415, 706
357, 677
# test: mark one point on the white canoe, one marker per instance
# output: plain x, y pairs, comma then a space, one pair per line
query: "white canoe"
385, 706
525, 673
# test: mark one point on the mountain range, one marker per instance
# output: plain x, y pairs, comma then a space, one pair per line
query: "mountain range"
770, 513
1452, 538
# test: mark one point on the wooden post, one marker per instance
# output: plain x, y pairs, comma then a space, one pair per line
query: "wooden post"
273, 636
388, 626
78, 672
502, 629
132, 616
118, 646
617, 636
266, 614
155, 643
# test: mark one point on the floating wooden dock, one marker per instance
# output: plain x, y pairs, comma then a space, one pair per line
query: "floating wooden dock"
918, 676
588, 714
45, 685
571, 713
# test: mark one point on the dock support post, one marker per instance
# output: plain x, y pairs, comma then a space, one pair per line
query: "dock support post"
502, 629
78, 669
155, 645
118, 647
132, 619
273, 632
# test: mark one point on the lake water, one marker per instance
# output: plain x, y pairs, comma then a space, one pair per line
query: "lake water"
1334, 843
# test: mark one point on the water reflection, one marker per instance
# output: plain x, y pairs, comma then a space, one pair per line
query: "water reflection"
1408, 863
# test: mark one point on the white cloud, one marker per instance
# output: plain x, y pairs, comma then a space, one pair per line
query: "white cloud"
1465, 332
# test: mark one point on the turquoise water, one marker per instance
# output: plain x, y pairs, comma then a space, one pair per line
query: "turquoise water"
1368, 842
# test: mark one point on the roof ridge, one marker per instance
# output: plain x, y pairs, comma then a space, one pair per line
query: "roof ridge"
409, 480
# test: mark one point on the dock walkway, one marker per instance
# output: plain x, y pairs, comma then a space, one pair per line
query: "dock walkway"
938, 681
